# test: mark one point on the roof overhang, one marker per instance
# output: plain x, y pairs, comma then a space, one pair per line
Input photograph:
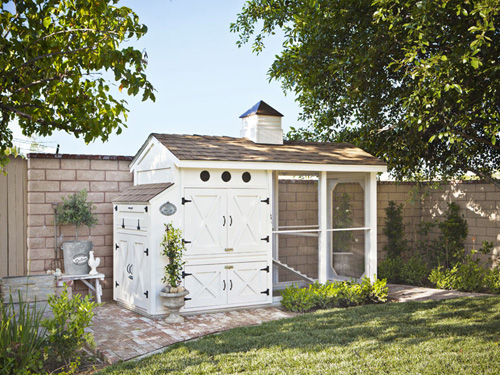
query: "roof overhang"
260, 165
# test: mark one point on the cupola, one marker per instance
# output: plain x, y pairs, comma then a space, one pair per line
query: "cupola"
262, 124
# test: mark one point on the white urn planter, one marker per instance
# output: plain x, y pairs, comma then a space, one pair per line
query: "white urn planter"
174, 302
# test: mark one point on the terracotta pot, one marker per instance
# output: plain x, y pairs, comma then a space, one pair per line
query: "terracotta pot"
174, 302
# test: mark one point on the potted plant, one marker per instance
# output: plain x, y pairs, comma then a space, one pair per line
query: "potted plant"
173, 293
75, 210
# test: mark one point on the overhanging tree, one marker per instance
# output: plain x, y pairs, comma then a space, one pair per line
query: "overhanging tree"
414, 82
56, 57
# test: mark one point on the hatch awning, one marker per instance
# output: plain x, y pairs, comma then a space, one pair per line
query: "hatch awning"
142, 193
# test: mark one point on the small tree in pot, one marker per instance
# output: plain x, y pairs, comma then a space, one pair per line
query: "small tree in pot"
173, 248
75, 210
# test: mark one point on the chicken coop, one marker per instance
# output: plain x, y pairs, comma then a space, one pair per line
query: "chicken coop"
257, 213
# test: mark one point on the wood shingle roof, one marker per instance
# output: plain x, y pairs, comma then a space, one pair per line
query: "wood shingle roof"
142, 193
215, 148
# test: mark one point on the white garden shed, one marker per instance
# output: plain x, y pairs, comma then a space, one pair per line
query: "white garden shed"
245, 234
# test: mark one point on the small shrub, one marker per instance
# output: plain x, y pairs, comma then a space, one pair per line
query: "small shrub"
454, 231
394, 230
414, 271
66, 330
326, 295
379, 291
334, 294
492, 280
470, 277
443, 278
297, 299
466, 277
390, 269
21, 337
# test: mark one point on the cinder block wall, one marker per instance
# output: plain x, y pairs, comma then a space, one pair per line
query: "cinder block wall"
49, 178
479, 203
298, 205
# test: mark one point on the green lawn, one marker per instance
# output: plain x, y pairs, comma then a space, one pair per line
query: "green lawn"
460, 336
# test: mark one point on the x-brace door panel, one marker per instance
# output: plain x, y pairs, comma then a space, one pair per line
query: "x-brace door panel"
141, 271
207, 286
205, 221
248, 220
248, 283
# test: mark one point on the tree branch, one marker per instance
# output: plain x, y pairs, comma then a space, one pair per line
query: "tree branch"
39, 121
68, 31
61, 76
485, 176
478, 139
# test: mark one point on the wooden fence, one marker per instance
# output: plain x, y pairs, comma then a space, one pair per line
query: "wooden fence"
13, 249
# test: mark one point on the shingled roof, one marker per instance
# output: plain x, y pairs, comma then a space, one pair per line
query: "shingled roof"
214, 148
142, 193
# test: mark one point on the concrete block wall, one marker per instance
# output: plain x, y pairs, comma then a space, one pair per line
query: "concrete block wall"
49, 178
479, 205
479, 202
298, 206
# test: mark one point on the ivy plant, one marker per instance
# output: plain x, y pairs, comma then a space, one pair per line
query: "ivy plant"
173, 248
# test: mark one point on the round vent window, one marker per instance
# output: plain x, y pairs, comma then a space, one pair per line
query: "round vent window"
226, 176
205, 176
246, 177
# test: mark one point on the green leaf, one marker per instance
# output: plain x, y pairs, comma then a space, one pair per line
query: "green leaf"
47, 21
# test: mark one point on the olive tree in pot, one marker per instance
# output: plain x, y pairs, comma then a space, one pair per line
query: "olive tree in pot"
75, 210
173, 294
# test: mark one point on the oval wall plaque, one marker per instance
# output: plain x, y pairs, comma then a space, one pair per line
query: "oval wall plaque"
168, 209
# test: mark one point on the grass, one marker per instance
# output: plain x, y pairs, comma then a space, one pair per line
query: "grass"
459, 336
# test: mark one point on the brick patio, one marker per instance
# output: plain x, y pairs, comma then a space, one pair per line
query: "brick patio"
121, 334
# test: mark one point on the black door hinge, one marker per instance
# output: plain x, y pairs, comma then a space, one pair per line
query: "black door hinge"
116, 208
265, 292
146, 252
265, 200
184, 200
187, 299
184, 241
265, 239
146, 293
116, 246
146, 208
265, 269
184, 274
116, 284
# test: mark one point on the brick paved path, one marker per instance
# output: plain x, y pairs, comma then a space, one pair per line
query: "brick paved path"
121, 334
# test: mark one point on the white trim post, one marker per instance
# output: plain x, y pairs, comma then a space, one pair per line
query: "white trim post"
371, 222
323, 226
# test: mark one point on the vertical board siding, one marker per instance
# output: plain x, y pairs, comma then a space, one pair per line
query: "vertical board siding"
13, 218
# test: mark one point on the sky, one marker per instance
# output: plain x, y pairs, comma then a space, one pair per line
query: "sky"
204, 82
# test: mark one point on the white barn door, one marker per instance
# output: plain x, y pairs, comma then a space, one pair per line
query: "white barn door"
248, 219
124, 260
205, 221
207, 286
248, 283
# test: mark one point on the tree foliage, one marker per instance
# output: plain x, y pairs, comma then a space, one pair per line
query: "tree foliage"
55, 57
415, 82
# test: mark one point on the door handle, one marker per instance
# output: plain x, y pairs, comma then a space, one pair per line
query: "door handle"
230, 220
231, 284
224, 217
224, 283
